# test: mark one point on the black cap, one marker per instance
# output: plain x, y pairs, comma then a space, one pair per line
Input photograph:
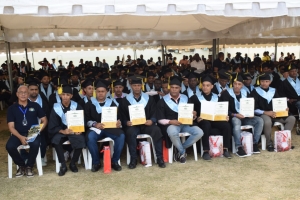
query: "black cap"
292, 66
246, 76
54, 81
67, 89
32, 81
167, 71
265, 76
223, 75
136, 79
102, 83
192, 75
175, 80
151, 74
87, 82
43, 74
208, 78
236, 77
118, 82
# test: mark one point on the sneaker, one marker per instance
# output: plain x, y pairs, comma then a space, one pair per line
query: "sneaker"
241, 153
206, 156
176, 156
66, 155
161, 163
43, 162
270, 148
29, 172
20, 171
132, 164
255, 149
116, 166
183, 158
226, 154
96, 167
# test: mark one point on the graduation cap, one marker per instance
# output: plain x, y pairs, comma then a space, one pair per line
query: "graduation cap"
32, 81
102, 83
67, 89
175, 80
105, 76
264, 76
167, 71
192, 75
292, 66
87, 82
152, 67
208, 78
247, 76
236, 77
42, 74
150, 74
118, 82
223, 75
136, 79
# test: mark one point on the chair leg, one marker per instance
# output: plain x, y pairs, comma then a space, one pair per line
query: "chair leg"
128, 155
111, 146
263, 142
9, 166
195, 151
233, 145
53, 153
89, 160
170, 152
201, 147
85, 159
153, 148
57, 163
39, 163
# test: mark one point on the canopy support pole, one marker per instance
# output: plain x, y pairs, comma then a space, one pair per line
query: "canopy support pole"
217, 47
163, 54
214, 46
27, 61
9, 65
276, 44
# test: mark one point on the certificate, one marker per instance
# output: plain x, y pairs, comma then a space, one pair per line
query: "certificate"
109, 117
247, 107
152, 93
137, 114
185, 113
75, 120
214, 111
280, 106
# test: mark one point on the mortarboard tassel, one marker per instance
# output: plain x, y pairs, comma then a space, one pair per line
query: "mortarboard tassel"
169, 83
200, 84
94, 92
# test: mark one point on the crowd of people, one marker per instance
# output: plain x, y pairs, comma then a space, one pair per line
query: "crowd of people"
45, 95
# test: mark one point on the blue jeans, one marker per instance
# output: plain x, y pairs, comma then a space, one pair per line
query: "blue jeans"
255, 121
173, 132
93, 137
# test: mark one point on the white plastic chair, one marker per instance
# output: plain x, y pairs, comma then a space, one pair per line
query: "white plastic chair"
182, 136
111, 146
38, 161
149, 139
57, 163
2, 103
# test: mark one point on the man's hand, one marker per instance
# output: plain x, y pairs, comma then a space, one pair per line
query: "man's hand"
239, 116
175, 122
67, 131
23, 140
292, 100
270, 114
119, 124
194, 115
227, 118
99, 126
148, 123
77, 133
199, 119
161, 94
129, 123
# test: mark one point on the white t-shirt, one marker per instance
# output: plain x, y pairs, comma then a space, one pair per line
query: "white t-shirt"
200, 66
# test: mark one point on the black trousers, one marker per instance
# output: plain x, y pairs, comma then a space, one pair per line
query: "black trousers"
13, 143
215, 128
154, 131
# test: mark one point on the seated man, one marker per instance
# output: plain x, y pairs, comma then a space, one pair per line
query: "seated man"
233, 96
88, 90
167, 115
263, 96
93, 114
221, 85
59, 133
118, 94
247, 80
134, 98
20, 117
223, 127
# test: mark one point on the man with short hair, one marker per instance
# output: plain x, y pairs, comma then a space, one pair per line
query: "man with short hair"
247, 80
88, 90
198, 64
218, 63
222, 83
98, 63
46, 88
167, 115
93, 116
118, 94
20, 117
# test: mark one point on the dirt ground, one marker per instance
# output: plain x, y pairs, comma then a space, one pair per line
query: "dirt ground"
265, 176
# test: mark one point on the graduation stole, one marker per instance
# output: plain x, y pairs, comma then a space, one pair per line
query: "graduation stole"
172, 105
49, 90
162, 92
266, 95
38, 100
236, 102
218, 86
59, 111
296, 85
148, 89
85, 99
251, 88
128, 85
214, 97
58, 100
236, 60
191, 93
183, 87
97, 104
132, 101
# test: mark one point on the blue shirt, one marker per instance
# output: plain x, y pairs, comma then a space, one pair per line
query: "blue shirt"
33, 113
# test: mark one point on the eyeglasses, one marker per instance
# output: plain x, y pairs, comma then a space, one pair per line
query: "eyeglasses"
22, 93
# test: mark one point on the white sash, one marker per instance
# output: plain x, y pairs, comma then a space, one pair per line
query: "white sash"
97, 104
132, 101
49, 90
59, 111
251, 87
236, 102
296, 85
266, 95
172, 105
191, 93
214, 97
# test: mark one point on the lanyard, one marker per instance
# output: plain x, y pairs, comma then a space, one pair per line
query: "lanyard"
24, 112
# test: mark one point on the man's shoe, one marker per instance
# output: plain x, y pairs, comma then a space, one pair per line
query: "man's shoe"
62, 171
255, 148
271, 148
161, 163
183, 158
226, 154
43, 162
20, 171
132, 164
96, 167
29, 172
116, 166
241, 153
73, 168
206, 156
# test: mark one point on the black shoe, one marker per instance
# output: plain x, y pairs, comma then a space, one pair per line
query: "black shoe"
116, 166
161, 163
20, 172
206, 156
226, 154
255, 149
271, 148
183, 158
96, 168
73, 168
132, 164
176, 156
62, 171
241, 153
29, 172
